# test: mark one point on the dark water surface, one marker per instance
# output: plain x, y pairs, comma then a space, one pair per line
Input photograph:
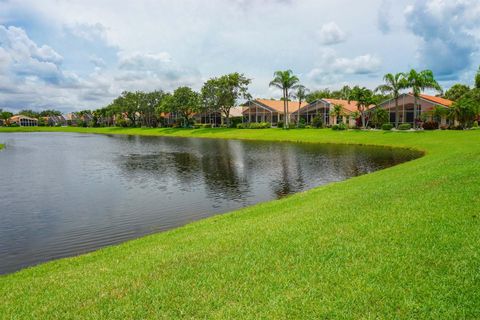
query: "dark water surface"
62, 194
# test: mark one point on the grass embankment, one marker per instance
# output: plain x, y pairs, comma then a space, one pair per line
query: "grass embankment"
398, 243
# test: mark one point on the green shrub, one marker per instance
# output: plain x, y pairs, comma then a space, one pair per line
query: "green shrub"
387, 127
339, 127
405, 126
259, 125
430, 125
234, 121
280, 124
254, 125
475, 124
301, 123
202, 125
317, 122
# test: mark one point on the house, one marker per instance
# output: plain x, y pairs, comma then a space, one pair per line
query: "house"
323, 107
264, 110
215, 117
23, 121
425, 104
55, 121
74, 118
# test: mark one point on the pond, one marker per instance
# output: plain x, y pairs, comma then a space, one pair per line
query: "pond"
63, 194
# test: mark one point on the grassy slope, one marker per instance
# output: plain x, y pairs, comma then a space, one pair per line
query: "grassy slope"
398, 243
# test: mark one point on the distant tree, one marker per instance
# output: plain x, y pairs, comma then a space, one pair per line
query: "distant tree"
394, 83
456, 91
29, 113
184, 101
50, 113
301, 95
286, 81
222, 94
364, 98
477, 79
318, 94
466, 109
337, 111
378, 117
5, 115
418, 82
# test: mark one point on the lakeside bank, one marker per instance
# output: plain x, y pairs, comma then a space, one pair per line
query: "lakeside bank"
401, 242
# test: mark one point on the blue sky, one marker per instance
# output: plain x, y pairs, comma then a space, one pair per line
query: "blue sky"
72, 55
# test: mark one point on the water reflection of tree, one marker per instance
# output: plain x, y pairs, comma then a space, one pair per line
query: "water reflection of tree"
291, 177
220, 168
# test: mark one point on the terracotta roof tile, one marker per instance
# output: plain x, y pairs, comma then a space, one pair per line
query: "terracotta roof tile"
277, 105
438, 100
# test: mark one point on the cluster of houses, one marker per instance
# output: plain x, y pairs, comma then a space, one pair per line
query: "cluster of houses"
272, 111
61, 120
263, 110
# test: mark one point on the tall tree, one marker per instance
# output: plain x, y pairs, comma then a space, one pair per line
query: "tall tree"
466, 109
301, 95
418, 82
222, 94
477, 79
337, 111
5, 115
394, 83
184, 101
364, 98
456, 91
286, 81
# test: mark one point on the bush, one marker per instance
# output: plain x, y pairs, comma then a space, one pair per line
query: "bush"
301, 123
202, 125
254, 125
405, 126
475, 124
234, 121
280, 124
121, 123
430, 125
317, 122
387, 127
259, 125
339, 127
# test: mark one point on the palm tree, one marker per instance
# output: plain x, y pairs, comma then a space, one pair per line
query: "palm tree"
394, 83
337, 111
364, 98
285, 80
419, 81
301, 95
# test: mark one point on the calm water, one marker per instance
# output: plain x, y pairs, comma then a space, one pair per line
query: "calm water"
64, 194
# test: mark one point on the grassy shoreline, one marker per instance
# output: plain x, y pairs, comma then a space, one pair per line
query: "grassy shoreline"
398, 243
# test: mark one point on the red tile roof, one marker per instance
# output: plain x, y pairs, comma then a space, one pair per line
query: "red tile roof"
437, 100
348, 106
277, 105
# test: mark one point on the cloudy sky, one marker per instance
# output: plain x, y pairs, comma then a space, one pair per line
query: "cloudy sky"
78, 54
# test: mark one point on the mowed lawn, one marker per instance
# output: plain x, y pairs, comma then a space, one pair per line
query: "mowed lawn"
398, 243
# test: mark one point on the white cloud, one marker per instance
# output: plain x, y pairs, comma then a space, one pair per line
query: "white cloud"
330, 33
448, 33
331, 68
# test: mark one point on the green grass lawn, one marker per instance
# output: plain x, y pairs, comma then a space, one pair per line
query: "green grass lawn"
398, 243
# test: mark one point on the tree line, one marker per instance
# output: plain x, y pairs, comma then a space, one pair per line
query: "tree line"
220, 94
